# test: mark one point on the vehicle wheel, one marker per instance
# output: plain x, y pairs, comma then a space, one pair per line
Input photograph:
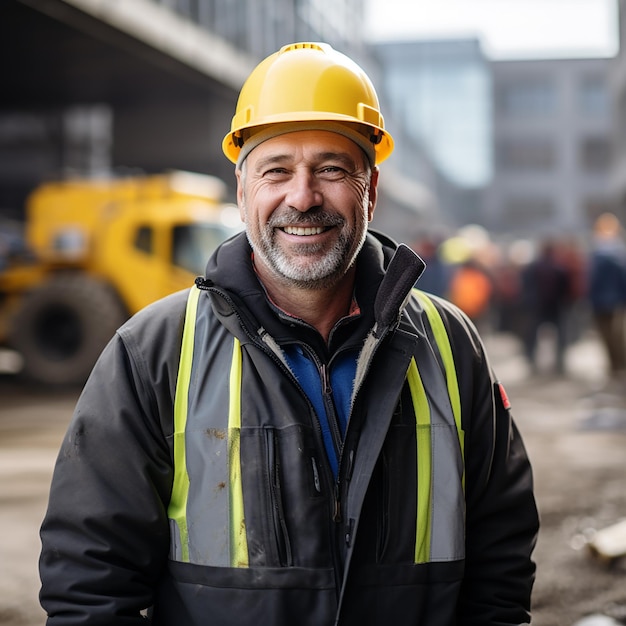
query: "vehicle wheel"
63, 325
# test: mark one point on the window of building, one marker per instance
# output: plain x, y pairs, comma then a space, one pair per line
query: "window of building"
595, 154
526, 211
230, 21
536, 97
525, 154
593, 97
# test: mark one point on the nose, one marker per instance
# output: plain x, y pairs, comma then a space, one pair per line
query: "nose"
303, 193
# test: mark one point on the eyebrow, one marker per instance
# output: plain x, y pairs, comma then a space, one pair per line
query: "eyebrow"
320, 157
273, 159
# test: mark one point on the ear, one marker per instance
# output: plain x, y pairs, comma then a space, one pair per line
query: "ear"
240, 198
373, 192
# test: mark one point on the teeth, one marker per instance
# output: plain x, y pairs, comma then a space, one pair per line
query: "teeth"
294, 230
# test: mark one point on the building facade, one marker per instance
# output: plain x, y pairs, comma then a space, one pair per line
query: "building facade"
552, 143
617, 81
441, 92
259, 28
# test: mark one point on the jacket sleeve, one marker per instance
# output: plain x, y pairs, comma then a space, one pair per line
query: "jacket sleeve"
105, 534
501, 515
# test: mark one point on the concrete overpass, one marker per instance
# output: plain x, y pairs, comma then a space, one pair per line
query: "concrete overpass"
162, 86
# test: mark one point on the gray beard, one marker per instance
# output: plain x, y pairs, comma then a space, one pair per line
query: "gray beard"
323, 273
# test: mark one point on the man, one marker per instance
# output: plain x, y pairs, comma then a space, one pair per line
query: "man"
300, 438
607, 294
547, 296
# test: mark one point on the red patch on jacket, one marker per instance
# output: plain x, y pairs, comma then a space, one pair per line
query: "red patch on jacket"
505, 398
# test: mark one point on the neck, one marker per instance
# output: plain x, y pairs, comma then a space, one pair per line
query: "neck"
321, 308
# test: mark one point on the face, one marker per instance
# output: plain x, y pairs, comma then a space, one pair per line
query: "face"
306, 198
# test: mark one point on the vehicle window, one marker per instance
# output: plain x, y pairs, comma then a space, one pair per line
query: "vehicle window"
194, 244
144, 239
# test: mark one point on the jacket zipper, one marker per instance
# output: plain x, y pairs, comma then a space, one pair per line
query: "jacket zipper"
333, 422
347, 473
329, 406
383, 509
283, 543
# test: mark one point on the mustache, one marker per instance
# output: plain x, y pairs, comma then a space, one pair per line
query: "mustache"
313, 217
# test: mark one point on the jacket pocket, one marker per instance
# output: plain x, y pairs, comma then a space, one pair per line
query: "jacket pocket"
287, 514
396, 502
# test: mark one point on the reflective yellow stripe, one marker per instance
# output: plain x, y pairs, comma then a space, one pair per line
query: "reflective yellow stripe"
424, 464
238, 538
177, 509
443, 343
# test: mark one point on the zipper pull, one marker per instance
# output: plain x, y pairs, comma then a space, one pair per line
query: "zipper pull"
337, 506
349, 532
203, 283
350, 465
316, 476
327, 390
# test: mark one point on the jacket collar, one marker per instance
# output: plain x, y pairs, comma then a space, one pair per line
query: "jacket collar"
384, 269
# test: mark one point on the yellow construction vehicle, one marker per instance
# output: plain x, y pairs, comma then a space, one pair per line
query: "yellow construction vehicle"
97, 251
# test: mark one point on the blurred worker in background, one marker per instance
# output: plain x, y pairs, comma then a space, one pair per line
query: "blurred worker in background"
472, 290
546, 299
436, 276
300, 438
607, 293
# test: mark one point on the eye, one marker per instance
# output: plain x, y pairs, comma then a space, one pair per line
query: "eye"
331, 172
276, 173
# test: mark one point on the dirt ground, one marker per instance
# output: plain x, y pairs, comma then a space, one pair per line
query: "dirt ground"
574, 432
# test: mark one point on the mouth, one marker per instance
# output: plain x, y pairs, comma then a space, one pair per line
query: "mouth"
304, 231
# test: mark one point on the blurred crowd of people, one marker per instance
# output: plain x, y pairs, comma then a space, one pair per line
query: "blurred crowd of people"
552, 290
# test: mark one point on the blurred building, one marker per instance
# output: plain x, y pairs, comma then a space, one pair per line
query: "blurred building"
552, 138
259, 28
90, 88
618, 87
440, 91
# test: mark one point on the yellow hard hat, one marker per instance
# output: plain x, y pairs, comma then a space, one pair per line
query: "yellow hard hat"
308, 85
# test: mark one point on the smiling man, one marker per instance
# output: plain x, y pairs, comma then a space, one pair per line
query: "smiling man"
302, 437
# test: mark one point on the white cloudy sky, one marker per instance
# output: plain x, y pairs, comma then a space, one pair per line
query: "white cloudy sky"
507, 28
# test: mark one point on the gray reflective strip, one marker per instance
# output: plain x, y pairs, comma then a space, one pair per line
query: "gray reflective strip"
206, 446
447, 505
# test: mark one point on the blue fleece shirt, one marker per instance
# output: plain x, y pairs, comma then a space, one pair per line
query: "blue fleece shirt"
341, 377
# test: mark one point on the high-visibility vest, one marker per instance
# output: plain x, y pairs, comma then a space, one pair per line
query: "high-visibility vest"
207, 518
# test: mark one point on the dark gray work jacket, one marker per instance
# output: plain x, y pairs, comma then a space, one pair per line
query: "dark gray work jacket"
224, 491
